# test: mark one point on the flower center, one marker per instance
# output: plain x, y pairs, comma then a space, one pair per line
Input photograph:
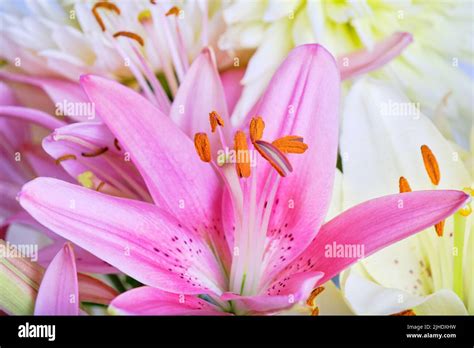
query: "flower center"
154, 25
252, 202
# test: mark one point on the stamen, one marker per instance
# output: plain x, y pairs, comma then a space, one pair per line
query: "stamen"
65, 158
99, 187
403, 185
86, 179
117, 145
107, 5
203, 146
242, 151
95, 153
466, 210
439, 228
256, 129
175, 10
315, 312
274, 156
408, 312
314, 293
291, 144
153, 2
130, 35
431, 164
215, 120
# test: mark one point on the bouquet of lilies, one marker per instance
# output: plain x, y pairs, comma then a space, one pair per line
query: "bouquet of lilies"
236, 157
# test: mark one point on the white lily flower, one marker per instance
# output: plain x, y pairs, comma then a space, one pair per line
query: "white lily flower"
118, 39
385, 138
428, 70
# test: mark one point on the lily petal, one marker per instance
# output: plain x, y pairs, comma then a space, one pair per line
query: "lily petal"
369, 298
151, 301
85, 261
60, 91
31, 115
373, 225
138, 238
302, 99
232, 87
200, 93
71, 147
93, 290
363, 61
177, 179
282, 294
58, 293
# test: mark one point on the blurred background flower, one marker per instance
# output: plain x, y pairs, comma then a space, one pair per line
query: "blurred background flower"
428, 71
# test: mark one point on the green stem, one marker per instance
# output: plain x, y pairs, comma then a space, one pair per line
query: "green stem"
459, 228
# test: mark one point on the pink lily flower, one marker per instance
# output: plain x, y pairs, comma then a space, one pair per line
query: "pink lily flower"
226, 237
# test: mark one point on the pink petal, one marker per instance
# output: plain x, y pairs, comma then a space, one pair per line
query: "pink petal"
138, 238
232, 87
363, 61
120, 177
200, 93
151, 301
302, 99
7, 97
282, 294
373, 225
31, 115
58, 292
42, 164
8, 205
85, 261
165, 156
60, 91
93, 290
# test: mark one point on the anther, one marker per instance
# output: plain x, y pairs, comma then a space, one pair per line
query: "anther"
65, 158
130, 35
439, 228
403, 185
466, 210
144, 16
256, 129
86, 179
117, 145
175, 10
215, 120
203, 146
290, 144
408, 312
242, 149
99, 152
107, 5
314, 293
431, 164
100, 186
